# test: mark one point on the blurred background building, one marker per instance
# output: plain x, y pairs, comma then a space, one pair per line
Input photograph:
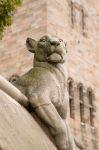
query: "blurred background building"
77, 22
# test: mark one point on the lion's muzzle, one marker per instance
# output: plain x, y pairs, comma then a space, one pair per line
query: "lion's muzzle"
56, 54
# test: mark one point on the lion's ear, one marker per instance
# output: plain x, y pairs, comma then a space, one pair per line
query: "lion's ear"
31, 44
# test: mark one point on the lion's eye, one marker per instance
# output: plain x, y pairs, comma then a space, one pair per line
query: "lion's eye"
60, 40
42, 40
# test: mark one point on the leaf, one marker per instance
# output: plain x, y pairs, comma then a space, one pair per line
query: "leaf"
7, 7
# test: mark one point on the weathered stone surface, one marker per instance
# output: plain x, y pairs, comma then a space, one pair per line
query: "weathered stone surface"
18, 129
36, 18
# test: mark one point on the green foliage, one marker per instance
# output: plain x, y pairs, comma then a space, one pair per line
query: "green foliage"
7, 8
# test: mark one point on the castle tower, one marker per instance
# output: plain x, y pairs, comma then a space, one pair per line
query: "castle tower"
77, 22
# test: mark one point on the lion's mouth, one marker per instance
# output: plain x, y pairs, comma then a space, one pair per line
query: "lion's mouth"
55, 57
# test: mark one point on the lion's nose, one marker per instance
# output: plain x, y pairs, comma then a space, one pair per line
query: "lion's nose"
55, 43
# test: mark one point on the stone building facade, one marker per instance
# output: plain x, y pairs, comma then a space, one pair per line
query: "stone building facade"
77, 22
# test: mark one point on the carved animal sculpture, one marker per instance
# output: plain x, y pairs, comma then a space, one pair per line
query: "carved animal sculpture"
46, 89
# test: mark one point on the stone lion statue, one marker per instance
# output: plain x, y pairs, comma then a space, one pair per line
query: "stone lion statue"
46, 89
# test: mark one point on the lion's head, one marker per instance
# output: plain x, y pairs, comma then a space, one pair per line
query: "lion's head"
47, 49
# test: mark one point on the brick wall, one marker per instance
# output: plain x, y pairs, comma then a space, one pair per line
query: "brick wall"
77, 22
28, 21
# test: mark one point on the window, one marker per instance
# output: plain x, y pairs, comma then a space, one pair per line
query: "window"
90, 97
81, 98
71, 98
91, 107
77, 16
72, 14
81, 93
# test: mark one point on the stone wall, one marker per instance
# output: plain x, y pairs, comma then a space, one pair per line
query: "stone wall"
29, 21
77, 22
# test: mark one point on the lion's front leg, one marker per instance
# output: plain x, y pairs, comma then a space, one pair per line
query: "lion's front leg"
48, 113
72, 145
73, 141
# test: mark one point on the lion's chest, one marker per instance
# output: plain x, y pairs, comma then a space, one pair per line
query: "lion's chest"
46, 81
58, 89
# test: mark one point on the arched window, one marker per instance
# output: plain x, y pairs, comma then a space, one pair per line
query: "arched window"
91, 106
71, 98
81, 99
81, 92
